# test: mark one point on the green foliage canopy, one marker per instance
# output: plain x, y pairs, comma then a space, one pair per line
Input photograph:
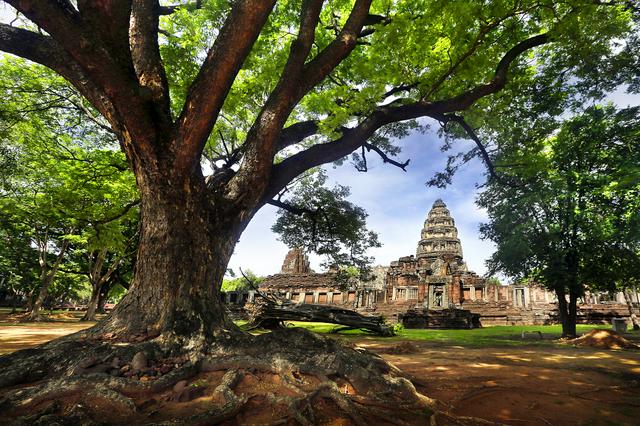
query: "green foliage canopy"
570, 215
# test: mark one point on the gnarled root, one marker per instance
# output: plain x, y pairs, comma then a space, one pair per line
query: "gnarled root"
291, 376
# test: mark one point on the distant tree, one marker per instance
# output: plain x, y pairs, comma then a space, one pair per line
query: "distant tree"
18, 261
493, 281
321, 220
247, 281
566, 215
68, 191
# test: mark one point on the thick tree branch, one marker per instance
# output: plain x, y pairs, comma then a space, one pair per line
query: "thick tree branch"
262, 139
465, 100
297, 79
33, 46
296, 133
217, 74
352, 139
58, 18
331, 56
110, 18
145, 53
45, 51
102, 74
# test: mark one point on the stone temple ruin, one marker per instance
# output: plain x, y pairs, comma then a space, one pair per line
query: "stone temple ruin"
434, 288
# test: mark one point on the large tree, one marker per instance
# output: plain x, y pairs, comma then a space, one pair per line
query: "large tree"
566, 213
266, 91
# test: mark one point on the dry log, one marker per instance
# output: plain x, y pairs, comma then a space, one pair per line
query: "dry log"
270, 314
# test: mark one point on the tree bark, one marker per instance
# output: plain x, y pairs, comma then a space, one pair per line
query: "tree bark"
185, 245
567, 311
632, 309
563, 310
98, 281
90, 314
102, 297
573, 313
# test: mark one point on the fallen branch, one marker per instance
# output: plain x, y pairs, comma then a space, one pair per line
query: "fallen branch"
268, 314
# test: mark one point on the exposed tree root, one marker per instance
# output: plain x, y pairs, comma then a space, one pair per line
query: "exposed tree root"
288, 376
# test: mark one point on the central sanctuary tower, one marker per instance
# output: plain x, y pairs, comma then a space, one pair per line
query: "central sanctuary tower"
437, 277
439, 237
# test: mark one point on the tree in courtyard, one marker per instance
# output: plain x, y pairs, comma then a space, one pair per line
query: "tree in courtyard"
568, 216
68, 192
265, 92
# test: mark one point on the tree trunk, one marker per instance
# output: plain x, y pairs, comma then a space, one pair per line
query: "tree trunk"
34, 315
572, 314
102, 298
632, 309
98, 283
45, 282
93, 303
563, 310
182, 257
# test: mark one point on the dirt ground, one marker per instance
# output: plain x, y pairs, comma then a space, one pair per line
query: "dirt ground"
522, 385
15, 335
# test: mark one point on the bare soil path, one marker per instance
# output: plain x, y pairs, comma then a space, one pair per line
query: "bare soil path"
16, 335
516, 385
524, 385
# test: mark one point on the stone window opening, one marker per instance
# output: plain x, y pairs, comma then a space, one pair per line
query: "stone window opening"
412, 293
401, 294
437, 299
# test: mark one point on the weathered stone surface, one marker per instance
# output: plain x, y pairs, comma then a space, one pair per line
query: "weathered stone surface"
295, 262
179, 386
139, 362
88, 362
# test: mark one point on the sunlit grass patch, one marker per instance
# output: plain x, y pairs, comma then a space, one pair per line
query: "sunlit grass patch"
488, 336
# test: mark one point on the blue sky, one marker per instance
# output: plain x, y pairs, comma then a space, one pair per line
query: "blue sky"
397, 203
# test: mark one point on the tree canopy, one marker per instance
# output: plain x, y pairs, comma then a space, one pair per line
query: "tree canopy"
69, 193
566, 212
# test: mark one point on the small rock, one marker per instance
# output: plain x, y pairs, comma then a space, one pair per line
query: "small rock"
88, 362
139, 361
125, 368
179, 386
115, 362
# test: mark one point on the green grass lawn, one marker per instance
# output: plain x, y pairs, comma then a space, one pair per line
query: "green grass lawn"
487, 336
